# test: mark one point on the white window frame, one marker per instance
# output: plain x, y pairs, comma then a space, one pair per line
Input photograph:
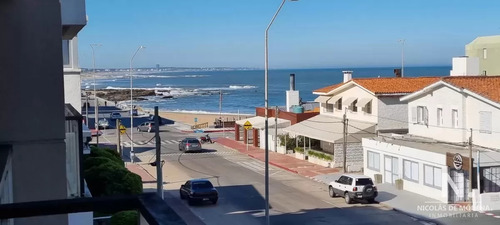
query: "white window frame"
338, 104
439, 117
485, 53
329, 108
434, 170
454, 118
353, 106
414, 173
422, 115
368, 107
485, 122
372, 164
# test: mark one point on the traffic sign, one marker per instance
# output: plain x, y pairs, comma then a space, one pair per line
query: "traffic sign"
247, 125
123, 129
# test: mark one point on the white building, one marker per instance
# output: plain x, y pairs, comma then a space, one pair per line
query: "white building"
443, 116
72, 71
371, 105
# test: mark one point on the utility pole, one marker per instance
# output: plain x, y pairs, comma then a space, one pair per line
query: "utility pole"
87, 110
118, 138
96, 101
276, 111
345, 121
159, 175
470, 166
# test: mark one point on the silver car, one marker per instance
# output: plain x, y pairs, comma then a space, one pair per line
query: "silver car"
146, 126
190, 144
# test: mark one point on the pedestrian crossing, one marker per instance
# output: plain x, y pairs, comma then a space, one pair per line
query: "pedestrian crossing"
151, 153
152, 143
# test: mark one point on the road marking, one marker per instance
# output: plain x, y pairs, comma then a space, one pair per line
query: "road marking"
149, 144
328, 202
245, 211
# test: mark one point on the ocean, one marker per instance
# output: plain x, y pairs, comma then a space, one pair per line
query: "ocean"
243, 90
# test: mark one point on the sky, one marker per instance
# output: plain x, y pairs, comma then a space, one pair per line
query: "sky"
306, 33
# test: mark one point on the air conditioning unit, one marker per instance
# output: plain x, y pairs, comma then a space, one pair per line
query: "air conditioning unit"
378, 178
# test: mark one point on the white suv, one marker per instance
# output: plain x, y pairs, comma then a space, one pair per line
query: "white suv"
353, 187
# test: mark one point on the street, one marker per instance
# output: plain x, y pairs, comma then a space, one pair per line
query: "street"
240, 182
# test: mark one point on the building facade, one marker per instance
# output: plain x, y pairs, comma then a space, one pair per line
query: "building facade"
487, 50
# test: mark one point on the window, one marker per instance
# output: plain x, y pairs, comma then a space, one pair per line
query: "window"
485, 53
422, 117
368, 107
339, 104
439, 117
364, 181
353, 106
410, 170
432, 176
485, 122
342, 180
329, 107
373, 161
65, 51
454, 118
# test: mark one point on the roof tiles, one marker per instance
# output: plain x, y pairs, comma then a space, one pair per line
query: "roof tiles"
387, 85
486, 86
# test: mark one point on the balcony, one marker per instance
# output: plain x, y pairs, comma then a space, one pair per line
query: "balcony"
73, 17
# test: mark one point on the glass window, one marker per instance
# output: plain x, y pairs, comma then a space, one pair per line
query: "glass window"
363, 181
65, 51
485, 122
485, 53
410, 170
329, 107
202, 185
368, 107
339, 104
439, 117
373, 160
454, 118
432, 176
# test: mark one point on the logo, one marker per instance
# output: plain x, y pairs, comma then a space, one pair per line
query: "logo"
458, 162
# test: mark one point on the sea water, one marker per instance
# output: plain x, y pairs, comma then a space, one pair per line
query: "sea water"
242, 90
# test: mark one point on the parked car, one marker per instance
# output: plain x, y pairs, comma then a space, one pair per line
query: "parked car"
103, 123
146, 126
190, 144
115, 115
353, 187
197, 190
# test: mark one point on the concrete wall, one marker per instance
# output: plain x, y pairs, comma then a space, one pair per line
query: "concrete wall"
72, 80
420, 156
393, 114
32, 81
487, 139
490, 63
447, 99
354, 156
463, 66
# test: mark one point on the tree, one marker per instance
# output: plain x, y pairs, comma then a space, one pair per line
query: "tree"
125, 218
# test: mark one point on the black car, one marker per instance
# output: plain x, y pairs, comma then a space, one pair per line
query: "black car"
198, 190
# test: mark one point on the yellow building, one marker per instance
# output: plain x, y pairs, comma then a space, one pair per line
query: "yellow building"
487, 49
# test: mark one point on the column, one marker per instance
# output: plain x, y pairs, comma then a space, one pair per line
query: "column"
236, 132
245, 136
255, 137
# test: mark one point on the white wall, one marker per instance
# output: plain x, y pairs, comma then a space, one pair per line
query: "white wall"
447, 99
463, 66
392, 113
355, 91
72, 80
468, 113
420, 156
292, 98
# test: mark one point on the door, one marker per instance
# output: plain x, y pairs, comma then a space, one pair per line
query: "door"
458, 188
391, 169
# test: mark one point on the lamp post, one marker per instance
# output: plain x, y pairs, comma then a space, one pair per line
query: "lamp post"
402, 41
266, 105
132, 108
96, 105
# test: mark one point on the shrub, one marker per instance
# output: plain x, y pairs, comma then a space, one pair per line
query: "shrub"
299, 150
125, 218
320, 155
112, 179
91, 162
286, 139
107, 153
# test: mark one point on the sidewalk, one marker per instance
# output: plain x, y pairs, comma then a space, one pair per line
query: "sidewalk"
285, 162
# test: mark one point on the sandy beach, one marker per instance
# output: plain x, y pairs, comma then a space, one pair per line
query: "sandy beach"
188, 118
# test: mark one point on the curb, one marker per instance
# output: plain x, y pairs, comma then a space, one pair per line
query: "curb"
418, 218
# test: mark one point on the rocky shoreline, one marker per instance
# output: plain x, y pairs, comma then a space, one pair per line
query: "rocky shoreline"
123, 95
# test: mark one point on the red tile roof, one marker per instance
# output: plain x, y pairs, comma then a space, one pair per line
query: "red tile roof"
388, 85
486, 86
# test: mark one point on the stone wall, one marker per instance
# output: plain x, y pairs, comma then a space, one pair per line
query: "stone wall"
354, 156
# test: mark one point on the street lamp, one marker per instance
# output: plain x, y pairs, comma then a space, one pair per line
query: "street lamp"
266, 133
402, 41
132, 108
96, 106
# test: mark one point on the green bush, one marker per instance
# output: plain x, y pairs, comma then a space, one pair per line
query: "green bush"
320, 155
125, 218
299, 150
107, 153
92, 162
286, 139
111, 179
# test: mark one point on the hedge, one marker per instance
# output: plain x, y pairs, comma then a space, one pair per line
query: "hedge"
125, 218
299, 150
320, 155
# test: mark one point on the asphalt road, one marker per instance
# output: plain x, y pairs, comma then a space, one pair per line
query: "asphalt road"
240, 182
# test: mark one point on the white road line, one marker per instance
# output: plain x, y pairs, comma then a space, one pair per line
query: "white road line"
328, 202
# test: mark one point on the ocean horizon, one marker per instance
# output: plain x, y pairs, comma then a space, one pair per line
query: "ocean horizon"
197, 91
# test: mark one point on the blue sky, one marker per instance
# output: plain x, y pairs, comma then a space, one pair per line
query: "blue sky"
306, 34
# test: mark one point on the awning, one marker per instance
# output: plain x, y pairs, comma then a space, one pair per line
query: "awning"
362, 102
329, 129
334, 99
259, 122
322, 99
348, 101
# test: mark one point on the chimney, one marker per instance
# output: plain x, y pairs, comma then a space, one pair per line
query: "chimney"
347, 75
397, 72
292, 82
